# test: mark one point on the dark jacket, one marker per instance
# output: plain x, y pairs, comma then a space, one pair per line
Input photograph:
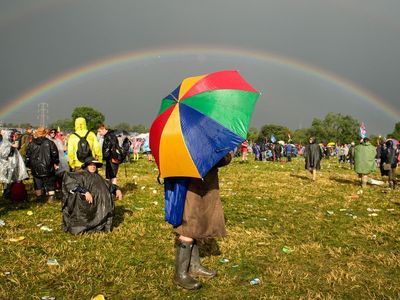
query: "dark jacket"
313, 155
110, 142
41, 156
388, 156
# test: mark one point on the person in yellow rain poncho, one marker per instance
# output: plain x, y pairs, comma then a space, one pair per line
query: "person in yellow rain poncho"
81, 131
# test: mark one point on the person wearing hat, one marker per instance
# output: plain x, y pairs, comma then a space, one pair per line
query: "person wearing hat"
87, 204
43, 160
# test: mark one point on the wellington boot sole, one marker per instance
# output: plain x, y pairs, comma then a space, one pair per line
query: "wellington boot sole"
187, 286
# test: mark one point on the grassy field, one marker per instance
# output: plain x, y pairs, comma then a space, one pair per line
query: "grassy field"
302, 239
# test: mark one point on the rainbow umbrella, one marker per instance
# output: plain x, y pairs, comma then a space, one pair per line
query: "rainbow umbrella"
203, 119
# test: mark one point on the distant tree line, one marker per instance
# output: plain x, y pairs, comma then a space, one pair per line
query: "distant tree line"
335, 127
94, 117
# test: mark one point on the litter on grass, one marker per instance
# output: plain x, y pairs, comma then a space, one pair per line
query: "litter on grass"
52, 262
224, 260
45, 228
255, 281
375, 182
287, 249
20, 238
373, 209
2, 223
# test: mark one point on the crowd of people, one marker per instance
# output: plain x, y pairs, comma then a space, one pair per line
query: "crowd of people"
364, 158
66, 167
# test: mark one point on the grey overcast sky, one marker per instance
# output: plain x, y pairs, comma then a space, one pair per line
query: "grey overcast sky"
307, 57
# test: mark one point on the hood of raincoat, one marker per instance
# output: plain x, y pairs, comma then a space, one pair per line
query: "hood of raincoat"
6, 135
39, 140
80, 124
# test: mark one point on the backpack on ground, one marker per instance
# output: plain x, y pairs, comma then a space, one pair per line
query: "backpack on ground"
83, 151
18, 192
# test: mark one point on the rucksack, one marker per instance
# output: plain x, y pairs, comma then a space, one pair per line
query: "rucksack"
117, 154
83, 151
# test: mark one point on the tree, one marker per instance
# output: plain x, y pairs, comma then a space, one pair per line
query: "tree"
279, 131
122, 126
335, 128
139, 128
92, 116
301, 136
396, 132
64, 125
252, 135
25, 125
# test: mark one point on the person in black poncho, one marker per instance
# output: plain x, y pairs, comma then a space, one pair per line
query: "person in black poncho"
88, 204
313, 155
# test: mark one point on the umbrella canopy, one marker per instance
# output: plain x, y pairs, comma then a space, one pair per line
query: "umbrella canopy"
395, 142
203, 119
331, 144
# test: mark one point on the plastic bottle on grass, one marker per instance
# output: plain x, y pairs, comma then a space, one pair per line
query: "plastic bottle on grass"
255, 281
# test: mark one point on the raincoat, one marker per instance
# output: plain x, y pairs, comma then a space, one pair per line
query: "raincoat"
364, 158
12, 166
203, 215
312, 155
80, 216
81, 130
63, 165
41, 156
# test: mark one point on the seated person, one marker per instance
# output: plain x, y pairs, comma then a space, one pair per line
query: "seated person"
88, 204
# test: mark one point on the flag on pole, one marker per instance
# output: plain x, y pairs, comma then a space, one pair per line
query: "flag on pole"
273, 138
363, 131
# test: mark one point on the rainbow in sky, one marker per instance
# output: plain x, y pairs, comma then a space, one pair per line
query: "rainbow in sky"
109, 63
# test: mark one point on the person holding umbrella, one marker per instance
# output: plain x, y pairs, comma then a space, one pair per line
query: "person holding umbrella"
203, 218
199, 125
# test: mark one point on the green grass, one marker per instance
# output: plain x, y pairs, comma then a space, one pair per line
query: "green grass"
339, 250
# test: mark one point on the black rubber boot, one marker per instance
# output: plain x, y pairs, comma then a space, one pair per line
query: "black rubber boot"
195, 268
182, 260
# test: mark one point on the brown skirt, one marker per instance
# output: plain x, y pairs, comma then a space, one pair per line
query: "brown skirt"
203, 216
